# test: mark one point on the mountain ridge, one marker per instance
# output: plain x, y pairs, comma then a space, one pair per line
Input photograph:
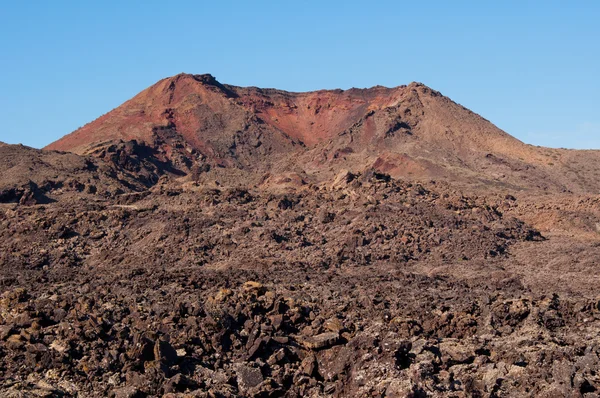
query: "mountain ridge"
409, 131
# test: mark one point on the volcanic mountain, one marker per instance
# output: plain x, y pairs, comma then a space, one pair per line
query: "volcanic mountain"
204, 239
411, 131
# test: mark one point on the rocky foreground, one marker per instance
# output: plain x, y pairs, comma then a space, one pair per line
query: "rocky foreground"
366, 286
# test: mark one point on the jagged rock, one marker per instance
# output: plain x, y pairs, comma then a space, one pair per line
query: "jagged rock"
320, 341
127, 392
248, 377
165, 353
309, 365
179, 383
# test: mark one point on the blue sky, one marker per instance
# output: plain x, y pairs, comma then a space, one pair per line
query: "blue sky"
529, 67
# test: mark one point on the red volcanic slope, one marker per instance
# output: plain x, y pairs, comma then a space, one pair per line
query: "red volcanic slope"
186, 100
202, 108
405, 131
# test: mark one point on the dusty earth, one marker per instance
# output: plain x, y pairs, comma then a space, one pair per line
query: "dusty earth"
309, 253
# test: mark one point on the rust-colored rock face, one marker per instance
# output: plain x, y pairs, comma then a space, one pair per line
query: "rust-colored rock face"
408, 131
203, 111
202, 108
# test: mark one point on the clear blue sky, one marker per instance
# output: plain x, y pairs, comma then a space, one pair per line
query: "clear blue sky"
532, 68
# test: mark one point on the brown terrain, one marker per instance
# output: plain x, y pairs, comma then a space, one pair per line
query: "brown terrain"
209, 240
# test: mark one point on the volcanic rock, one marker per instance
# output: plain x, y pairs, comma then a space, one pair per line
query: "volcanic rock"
187, 123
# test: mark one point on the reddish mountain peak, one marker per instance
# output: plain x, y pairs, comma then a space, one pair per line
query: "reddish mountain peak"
219, 121
206, 80
154, 108
189, 120
199, 106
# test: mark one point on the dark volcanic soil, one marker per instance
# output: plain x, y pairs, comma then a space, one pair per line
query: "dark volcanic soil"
366, 287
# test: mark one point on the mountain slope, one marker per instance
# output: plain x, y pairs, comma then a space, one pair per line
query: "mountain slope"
407, 131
